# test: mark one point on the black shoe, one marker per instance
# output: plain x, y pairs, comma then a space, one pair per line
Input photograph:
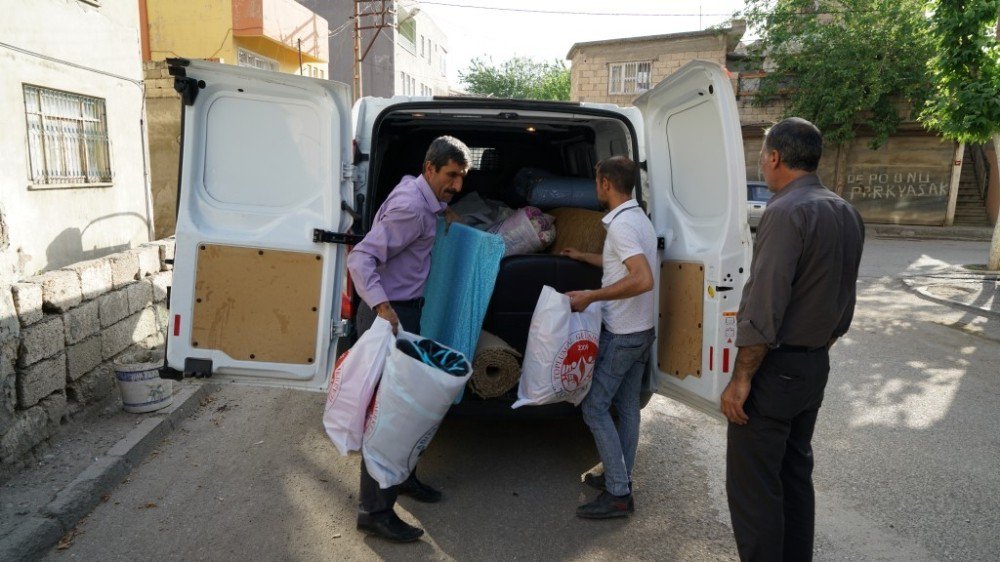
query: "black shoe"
606, 506
419, 491
389, 526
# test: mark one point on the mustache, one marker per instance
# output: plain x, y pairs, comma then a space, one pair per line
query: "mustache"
451, 191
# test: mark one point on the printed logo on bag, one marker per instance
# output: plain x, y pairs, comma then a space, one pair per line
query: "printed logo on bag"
337, 379
371, 417
422, 443
574, 365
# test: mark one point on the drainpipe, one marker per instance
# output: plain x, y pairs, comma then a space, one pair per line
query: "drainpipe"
956, 175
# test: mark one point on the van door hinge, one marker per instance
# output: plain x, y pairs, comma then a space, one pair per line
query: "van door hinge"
321, 236
346, 171
341, 328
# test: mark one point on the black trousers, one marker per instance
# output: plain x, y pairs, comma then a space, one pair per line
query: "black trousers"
373, 499
769, 461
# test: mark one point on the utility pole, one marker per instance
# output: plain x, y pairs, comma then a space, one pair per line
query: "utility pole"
378, 23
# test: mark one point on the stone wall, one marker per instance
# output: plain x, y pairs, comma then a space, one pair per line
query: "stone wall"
163, 121
60, 333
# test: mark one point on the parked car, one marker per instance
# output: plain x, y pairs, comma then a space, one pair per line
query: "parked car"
757, 197
276, 181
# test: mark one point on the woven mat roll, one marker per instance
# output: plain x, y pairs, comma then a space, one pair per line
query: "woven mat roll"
495, 368
578, 228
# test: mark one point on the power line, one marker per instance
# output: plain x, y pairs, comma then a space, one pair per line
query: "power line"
569, 13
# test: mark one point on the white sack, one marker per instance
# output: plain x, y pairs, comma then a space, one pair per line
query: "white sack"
355, 377
412, 399
561, 354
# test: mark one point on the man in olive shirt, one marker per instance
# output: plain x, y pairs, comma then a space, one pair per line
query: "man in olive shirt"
799, 299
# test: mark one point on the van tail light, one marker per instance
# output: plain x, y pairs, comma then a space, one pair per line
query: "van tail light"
177, 325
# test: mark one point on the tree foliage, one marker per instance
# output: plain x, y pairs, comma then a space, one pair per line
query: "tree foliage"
518, 78
964, 104
843, 64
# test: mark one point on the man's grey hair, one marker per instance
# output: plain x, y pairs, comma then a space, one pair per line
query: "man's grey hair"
445, 149
798, 141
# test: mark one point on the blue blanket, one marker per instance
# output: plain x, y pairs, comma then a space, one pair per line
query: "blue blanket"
464, 266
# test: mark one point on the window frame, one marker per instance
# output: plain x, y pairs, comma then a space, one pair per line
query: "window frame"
629, 77
95, 164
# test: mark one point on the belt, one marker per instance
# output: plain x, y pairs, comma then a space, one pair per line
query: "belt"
412, 303
783, 348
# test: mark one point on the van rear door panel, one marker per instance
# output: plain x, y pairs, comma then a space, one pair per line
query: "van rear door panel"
697, 184
253, 293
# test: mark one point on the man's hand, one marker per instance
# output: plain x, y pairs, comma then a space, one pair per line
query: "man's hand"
572, 253
450, 216
733, 398
385, 311
579, 300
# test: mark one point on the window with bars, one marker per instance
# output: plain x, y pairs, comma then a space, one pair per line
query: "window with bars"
629, 77
253, 60
67, 138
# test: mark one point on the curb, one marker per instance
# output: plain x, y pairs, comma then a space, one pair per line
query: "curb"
31, 539
924, 293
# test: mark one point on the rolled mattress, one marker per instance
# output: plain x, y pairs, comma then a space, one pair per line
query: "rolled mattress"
496, 367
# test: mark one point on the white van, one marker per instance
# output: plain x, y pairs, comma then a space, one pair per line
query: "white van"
273, 177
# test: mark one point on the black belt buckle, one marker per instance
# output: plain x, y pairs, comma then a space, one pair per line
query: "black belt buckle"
797, 349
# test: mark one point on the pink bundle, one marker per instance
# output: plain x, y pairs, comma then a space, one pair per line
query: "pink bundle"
526, 231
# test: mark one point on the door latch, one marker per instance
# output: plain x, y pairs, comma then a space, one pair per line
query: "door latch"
321, 236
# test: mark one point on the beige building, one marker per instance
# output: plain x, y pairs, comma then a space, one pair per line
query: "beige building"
73, 182
618, 70
906, 181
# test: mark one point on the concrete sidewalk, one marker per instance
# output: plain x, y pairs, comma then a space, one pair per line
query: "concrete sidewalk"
930, 232
77, 470
967, 287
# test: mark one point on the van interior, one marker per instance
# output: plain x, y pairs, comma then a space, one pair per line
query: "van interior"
566, 143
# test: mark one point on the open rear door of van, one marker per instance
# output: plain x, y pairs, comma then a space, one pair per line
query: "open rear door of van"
697, 185
256, 280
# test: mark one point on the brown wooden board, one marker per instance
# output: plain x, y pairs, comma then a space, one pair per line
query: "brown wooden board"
679, 340
257, 304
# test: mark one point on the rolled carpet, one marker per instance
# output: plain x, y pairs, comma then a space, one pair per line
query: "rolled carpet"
495, 367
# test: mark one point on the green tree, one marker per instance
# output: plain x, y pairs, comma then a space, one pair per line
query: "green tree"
964, 104
843, 64
518, 78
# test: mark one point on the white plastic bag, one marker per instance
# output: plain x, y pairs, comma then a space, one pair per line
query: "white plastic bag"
561, 354
355, 377
412, 399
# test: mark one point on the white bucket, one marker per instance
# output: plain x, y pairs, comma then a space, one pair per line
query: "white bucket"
141, 386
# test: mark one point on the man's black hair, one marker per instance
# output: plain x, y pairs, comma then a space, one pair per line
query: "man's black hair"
445, 149
620, 171
798, 141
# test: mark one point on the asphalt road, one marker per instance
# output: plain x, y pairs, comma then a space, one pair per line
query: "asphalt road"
907, 453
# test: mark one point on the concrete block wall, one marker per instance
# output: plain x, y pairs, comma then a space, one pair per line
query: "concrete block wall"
60, 333
163, 121
589, 72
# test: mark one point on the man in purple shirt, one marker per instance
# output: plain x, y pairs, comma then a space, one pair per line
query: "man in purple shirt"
389, 269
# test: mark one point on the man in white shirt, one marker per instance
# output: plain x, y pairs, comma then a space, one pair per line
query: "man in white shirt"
626, 336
